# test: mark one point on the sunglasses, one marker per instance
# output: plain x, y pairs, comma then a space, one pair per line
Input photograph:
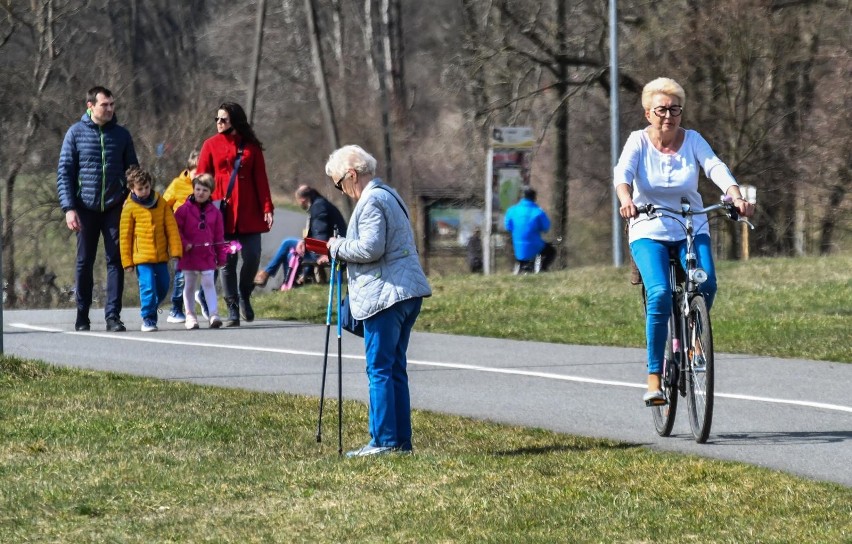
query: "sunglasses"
339, 183
222, 120
203, 223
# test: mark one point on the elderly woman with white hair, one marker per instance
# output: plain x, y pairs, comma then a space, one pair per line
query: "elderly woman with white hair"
659, 165
386, 290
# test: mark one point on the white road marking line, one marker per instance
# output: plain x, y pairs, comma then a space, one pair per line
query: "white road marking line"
454, 366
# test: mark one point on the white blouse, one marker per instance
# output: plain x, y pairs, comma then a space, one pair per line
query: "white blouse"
662, 179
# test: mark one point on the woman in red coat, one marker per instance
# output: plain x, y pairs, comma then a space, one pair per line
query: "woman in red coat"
249, 208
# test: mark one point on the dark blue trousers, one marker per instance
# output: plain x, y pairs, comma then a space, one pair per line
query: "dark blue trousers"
94, 225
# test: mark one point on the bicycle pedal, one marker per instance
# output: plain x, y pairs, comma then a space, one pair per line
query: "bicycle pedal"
656, 402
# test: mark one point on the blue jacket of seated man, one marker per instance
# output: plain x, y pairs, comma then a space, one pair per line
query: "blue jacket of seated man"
526, 221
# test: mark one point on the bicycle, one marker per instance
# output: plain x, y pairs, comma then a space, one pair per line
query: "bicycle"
688, 364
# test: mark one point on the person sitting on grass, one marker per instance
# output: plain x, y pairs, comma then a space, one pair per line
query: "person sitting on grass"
324, 219
148, 237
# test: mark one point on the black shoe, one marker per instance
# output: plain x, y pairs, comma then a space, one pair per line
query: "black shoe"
82, 323
114, 324
246, 311
233, 319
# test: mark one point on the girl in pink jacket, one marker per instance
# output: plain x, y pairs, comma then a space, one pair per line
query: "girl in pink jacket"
202, 232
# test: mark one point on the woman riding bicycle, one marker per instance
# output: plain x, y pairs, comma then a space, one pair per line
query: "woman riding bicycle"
659, 165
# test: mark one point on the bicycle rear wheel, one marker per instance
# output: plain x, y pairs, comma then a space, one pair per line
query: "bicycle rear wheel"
664, 415
700, 369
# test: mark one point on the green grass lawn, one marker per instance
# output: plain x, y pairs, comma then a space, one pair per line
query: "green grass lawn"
99, 457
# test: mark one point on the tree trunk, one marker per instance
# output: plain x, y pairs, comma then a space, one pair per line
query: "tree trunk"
369, 44
326, 106
560, 180
377, 51
41, 75
255, 64
835, 198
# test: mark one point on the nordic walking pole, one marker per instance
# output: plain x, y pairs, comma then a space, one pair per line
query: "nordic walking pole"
325, 356
339, 368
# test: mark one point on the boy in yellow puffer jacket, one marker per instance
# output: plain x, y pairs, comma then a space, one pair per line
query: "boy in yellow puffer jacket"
176, 194
149, 237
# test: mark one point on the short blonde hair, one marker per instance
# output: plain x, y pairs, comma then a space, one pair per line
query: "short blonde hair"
192, 161
662, 85
205, 180
350, 156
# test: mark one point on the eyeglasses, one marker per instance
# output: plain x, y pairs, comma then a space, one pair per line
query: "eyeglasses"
675, 111
222, 120
339, 183
203, 223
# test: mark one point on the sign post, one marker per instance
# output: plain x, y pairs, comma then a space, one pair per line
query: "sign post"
750, 194
506, 171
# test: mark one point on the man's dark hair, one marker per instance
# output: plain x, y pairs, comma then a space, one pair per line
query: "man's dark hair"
92, 94
307, 192
240, 122
529, 193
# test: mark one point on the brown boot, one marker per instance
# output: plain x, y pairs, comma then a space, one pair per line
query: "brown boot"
635, 276
261, 278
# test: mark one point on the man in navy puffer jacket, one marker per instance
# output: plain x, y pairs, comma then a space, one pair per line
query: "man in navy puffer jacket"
90, 181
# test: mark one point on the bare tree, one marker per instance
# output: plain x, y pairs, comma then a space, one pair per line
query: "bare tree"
40, 25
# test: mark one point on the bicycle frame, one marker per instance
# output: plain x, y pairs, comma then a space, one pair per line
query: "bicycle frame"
688, 368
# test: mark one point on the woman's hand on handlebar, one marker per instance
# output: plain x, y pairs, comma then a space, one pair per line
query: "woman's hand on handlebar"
744, 207
628, 210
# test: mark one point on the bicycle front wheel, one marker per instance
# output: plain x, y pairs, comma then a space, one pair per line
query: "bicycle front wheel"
664, 415
700, 369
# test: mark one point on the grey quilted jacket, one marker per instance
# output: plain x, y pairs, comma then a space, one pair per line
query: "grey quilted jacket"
379, 250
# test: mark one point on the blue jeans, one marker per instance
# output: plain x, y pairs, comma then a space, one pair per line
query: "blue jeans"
652, 259
386, 336
153, 287
177, 293
281, 257
95, 224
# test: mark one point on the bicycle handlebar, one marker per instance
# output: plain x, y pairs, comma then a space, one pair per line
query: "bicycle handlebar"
727, 204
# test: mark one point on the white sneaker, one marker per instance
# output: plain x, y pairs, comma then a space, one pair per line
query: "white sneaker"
149, 325
368, 450
215, 322
191, 322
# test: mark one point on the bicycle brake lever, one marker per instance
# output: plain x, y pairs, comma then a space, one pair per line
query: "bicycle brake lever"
746, 221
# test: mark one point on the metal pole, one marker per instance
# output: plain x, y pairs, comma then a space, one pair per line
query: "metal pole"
3, 284
617, 254
486, 224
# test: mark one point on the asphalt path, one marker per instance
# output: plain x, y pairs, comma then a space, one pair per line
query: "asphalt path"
788, 415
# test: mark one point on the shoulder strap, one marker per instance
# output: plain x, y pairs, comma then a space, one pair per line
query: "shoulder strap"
236, 169
382, 187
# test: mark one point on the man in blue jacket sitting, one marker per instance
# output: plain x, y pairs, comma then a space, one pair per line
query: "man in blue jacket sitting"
526, 221
90, 181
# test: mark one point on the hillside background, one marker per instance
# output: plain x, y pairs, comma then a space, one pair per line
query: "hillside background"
767, 84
